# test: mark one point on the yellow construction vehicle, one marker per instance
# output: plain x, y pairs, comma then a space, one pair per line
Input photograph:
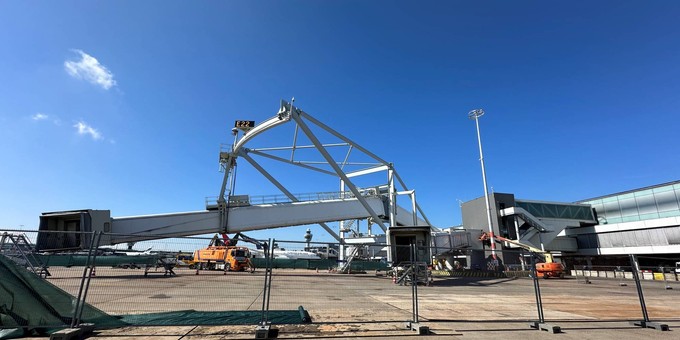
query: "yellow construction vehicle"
223, 255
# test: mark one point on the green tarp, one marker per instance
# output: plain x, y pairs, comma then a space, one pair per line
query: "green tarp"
30, 305
193, 318
68, 260
318, 264
30, 302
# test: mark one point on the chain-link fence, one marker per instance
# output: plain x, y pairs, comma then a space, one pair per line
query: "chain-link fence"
216, 281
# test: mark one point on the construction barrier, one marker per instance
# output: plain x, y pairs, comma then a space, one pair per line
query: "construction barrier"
154, 283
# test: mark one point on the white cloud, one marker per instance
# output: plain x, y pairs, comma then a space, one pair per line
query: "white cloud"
39, 116
44, 117
85, 129
89, 68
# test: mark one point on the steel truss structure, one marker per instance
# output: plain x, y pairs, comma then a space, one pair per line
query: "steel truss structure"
329, 165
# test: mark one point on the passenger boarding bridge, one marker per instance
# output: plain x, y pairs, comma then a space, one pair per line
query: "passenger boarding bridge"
232, 213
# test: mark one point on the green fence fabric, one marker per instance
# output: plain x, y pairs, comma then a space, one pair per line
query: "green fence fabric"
68, 260
30, 302
318, 264
193, 318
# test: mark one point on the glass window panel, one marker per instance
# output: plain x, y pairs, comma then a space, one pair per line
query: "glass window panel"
648, 216
612, 209
609, 199
669, 213
666, 201
581, 213
630, 218
646, 204
631, 195
643, 193
628, 207
593, 202
663, 189
614, 220
534, 209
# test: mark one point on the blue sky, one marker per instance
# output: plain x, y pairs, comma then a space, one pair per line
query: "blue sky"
123, 105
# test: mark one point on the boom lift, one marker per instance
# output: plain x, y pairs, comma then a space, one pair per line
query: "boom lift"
546, 269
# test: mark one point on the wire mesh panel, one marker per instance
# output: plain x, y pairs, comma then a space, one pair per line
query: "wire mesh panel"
215, 281
472, 285
601, 293
190, 275
660, 287
353, 284
37, 292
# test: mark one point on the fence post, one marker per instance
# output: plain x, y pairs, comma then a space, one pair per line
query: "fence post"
665, 280
79, 299
264, 330
622, 276
414, 324
586, 280
645, 323
540, 324
93, 264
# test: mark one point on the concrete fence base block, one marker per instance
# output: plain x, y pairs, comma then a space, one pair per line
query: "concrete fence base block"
81, 332
266, 332
546, 327
648, 324
417, 327
67, 334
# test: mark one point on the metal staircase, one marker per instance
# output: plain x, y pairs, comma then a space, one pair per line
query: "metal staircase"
16, 247
348, 264
412, 273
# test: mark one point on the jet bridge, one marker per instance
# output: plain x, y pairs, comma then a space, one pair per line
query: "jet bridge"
233, 212
241, 219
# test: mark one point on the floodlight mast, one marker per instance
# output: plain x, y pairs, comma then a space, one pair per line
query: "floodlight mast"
474, 115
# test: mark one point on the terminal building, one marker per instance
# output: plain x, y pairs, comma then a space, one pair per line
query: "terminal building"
595, 231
